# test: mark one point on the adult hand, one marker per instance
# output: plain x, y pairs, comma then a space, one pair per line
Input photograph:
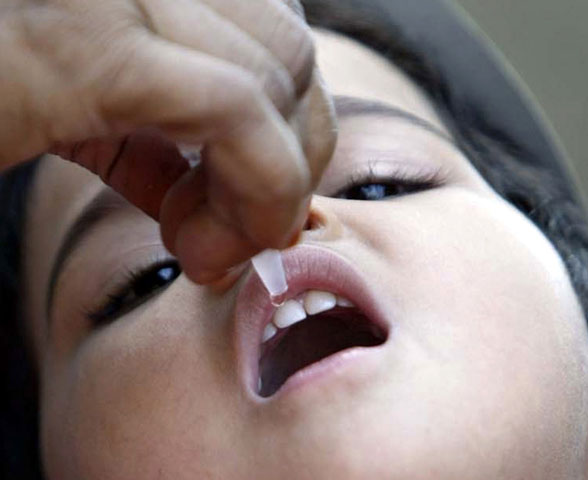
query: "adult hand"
113, 85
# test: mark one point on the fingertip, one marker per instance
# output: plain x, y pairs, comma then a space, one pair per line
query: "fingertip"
207, 247
205, 277
275, 227
228, 279
183, 199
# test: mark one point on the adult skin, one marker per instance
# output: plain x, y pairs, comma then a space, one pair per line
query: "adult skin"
114, 85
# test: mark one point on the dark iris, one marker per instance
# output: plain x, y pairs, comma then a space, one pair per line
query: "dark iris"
154, 280
380, 191
141, 287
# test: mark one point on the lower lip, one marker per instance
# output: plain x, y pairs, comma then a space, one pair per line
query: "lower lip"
353, 365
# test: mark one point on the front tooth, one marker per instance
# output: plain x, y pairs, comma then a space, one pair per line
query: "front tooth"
289, 314
316, 301
343, 302
269, 332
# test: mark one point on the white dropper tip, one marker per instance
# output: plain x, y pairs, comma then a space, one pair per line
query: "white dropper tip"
269, 267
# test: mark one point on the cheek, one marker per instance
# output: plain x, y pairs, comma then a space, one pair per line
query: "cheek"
149, 394
487, 348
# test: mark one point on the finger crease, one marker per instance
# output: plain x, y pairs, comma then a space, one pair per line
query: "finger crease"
120, 152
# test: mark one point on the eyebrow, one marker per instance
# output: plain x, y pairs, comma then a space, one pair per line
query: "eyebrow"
354, 107
105, 203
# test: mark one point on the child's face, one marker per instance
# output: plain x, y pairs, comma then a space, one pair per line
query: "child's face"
481, 375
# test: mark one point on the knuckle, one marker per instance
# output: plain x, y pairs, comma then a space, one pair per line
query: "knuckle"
302, 61
272, 78
290, 38
246, 87
279, 87
244, 92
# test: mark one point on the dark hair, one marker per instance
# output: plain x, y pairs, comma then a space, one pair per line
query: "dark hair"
539, 192
18, 403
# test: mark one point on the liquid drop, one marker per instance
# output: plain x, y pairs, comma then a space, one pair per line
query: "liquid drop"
269, 267
278, 300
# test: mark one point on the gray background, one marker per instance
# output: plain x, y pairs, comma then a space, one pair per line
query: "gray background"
546, 41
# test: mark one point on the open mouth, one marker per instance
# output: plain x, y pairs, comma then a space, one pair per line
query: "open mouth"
308, 329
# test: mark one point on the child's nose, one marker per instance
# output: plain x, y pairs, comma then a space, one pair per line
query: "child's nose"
323, 223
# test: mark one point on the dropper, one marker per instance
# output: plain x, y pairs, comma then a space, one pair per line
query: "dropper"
268, 265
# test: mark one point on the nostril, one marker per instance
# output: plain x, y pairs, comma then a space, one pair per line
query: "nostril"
323, 222
313, 222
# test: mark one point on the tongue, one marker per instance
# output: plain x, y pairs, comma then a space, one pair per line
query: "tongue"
310, 341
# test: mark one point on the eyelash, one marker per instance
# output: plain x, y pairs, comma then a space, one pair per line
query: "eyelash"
117, 304
403, 181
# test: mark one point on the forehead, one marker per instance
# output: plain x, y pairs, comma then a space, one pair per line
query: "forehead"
351, 69
63, 189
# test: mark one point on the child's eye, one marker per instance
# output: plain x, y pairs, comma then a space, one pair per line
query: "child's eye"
136, 289
381, 189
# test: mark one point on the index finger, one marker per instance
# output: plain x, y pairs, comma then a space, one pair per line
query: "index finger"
316, 124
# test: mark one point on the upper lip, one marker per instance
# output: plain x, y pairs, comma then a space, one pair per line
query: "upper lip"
307, 267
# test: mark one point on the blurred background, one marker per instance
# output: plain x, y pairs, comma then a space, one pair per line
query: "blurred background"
547, 43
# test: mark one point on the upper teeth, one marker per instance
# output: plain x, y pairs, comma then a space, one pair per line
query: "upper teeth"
288, 314
294, 311
317, 302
